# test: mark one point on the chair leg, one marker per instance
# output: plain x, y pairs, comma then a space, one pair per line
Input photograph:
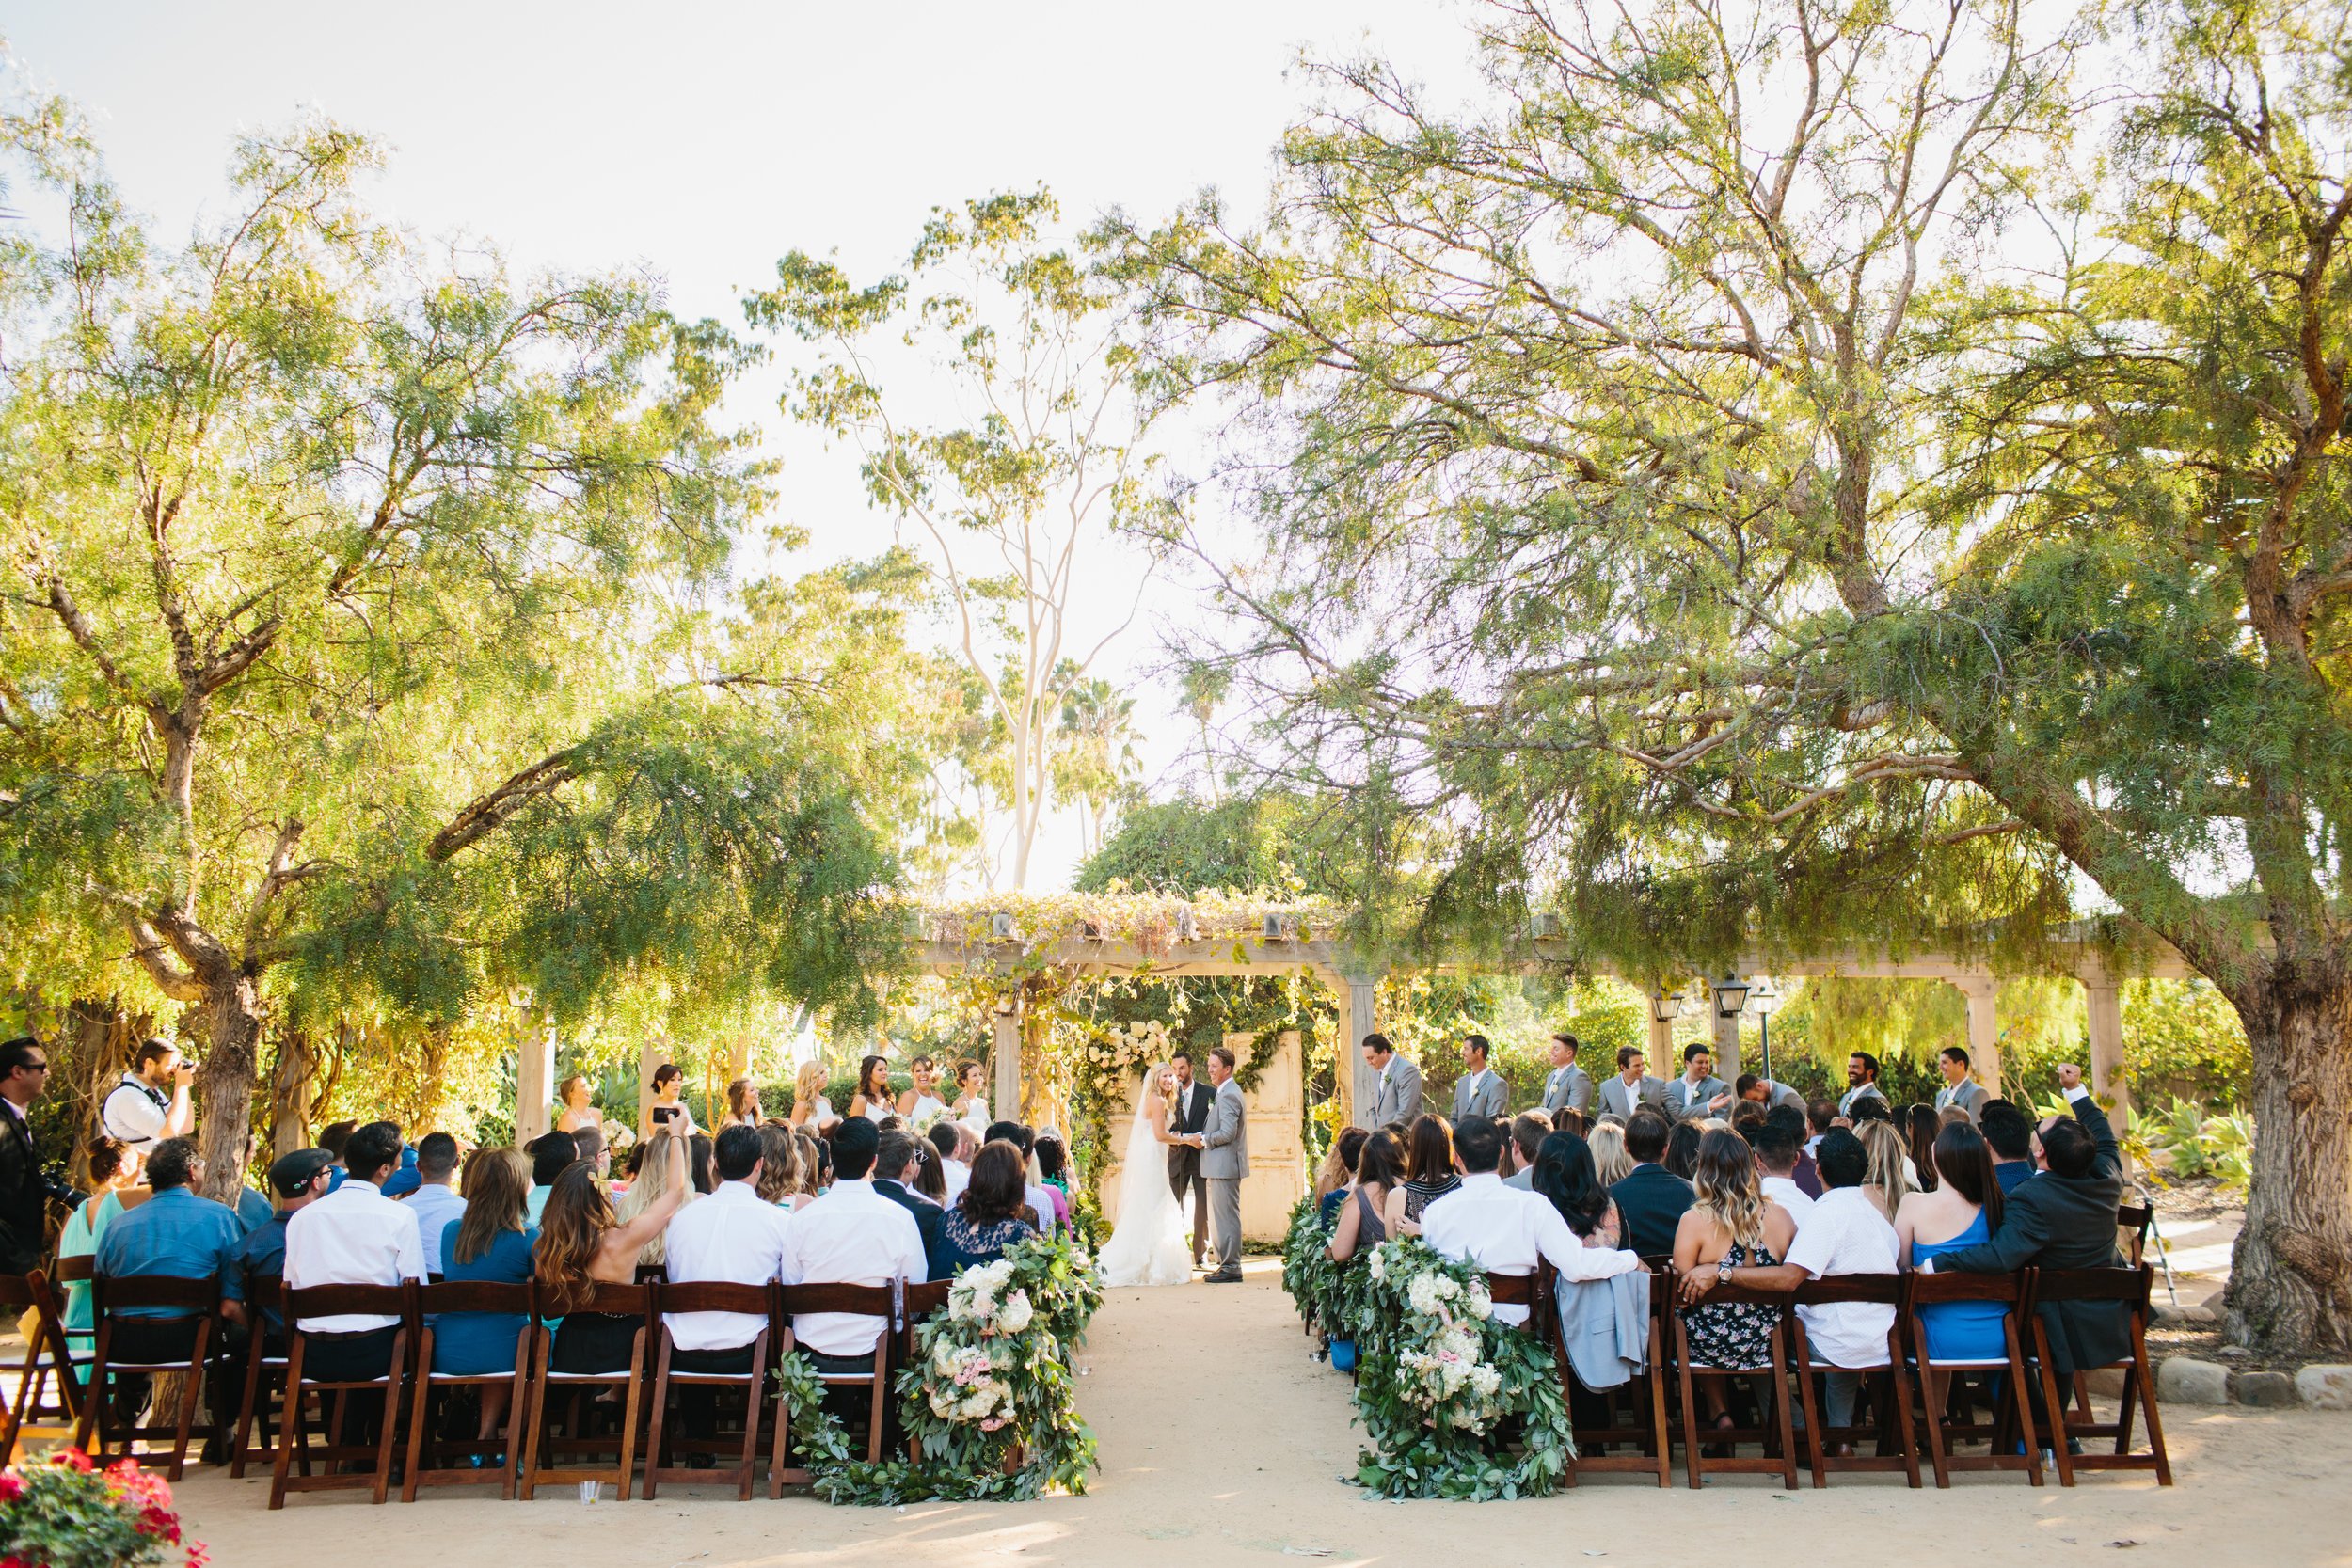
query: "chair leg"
534, 1401
777, 1445
1898, 1412
2147, 1390
657, 1435
388, 1416
245, 1409
1654, 1390
290, 1427
751, 1430
93, 1421
1780, 1403
1931, 1392
1816, 1447
628, 1427
2050, 1407
1689, 1407
192, 1389
419, 1411
2023, 1402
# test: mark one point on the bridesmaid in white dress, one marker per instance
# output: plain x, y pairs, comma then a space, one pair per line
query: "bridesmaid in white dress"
810, 1109
872, 1100
920, 1105
971, 1106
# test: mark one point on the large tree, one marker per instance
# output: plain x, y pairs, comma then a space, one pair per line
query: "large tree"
1741, 475
359, 633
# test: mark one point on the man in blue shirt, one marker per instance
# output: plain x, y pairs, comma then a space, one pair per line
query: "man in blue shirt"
179, 1235
436, 1201
297, 1178
2007, 1128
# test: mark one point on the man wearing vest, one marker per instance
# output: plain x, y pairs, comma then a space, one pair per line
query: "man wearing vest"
151, 1102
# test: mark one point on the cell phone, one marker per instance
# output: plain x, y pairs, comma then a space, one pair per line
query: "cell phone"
665, 1113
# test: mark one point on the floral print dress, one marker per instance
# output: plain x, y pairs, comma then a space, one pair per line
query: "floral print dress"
1733, 1333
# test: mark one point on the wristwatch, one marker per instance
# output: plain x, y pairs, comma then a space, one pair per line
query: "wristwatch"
1723, 1271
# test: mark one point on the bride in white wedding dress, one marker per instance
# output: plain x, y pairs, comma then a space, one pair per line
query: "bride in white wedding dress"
1148, 1244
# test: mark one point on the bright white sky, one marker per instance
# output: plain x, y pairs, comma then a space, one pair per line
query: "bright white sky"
703, 138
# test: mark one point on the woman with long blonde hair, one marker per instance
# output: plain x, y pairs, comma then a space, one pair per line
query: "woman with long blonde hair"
810, 1109
1729, 1224
783, 1171
1610, 1163
651, 1186
1890, 1181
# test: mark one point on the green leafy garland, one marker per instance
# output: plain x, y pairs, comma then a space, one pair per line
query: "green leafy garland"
989, 1398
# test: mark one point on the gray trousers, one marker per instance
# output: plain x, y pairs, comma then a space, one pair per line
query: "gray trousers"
1225, 1212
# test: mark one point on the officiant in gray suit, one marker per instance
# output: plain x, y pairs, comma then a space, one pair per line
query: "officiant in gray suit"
1224, 1146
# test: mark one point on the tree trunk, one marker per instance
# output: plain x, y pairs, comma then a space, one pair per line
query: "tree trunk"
225, 1077
2291, 1278
292, 1092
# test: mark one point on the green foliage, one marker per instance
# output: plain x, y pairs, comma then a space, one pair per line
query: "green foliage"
1247, 842
63, 1514
2187, 1143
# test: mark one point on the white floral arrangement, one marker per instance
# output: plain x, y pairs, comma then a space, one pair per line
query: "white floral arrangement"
1126, 1046
1442, 1368
979, 1297
966, 1385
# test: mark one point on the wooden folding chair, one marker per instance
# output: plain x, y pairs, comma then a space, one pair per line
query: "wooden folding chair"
2129, 1289
47, 1354
264, 1377
2134, 1220
706, 1296
1653, 1455
1896, 1448
887, 1301
623, 1300
1776, 1436
2009, 1437
433, 1461
294, 1447
196, 1299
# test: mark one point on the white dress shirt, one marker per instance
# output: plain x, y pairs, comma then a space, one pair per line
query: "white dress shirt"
850, 1236
1503, 1231
1784, 1190
1845, 1234
730, 1236
959, 1177
132, 1116
354, 1235
434, 1205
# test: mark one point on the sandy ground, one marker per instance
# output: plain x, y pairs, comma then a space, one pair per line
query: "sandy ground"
1222, 1442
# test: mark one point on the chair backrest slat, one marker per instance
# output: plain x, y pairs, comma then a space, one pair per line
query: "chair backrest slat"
475, 1295
923, 1300
112, 1293
1956, 1286
2129, 1285
1883, 1289
603, 1296
336, 1301
711, 1295
869, 1301
16, 1289
74, 1270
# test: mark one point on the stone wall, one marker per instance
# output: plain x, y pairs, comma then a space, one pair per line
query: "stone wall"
1278, 1173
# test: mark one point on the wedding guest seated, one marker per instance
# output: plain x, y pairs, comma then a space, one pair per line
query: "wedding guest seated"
1379, 1166
987, 1219
893, 1156
1962, 1209
702, 1172
1338, 1169
114, 1184
1918, 1126
1604, 1336
1529, 1130
853, 1235
736, 1237
1776, 1150
581, 1245
1844, 1233
592, 1146
404, 1179
924, 1177
434, 1202
176, 1234
817, 1155
2064, 1218
1820, 1116
1052, 1160
491, 1242
1891, 1174
1682, 1148
665, 1159
332, 1138
1610, 1163
782, 1175
2009, 1131
552, 1155
1563, 1176
1567, 1119
956, 1145
354, 1235
1508, 1231
1798, 1131
1429, 1175
1650, 1198
1730, 1224
296, 1181
1039, 1198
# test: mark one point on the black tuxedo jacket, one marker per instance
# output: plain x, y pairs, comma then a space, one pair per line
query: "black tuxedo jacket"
930, 1219
1189, 1113
24, 1198
1650, 1203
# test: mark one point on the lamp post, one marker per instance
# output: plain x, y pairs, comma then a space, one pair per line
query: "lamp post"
1767, 1001
1665, 1005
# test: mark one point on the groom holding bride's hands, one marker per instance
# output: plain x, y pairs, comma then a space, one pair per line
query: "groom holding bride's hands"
1222, 1149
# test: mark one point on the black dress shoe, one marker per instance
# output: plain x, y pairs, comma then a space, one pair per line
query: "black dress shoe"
1222, 1276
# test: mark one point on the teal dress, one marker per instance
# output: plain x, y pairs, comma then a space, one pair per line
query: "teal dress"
470, 1344
84, 1229
1961, 1330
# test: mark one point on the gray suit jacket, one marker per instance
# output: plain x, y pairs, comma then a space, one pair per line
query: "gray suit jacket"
1399, 1095
1613, 1098
1604, 1326
1225, 1156
1481, 1096
1569, 1087
1688, 1102
1967, 1094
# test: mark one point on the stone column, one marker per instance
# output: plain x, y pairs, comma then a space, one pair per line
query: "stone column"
1005, 1100
1360, 1015
1661, 1044
534, 1084
1982, 993
2106, 1048
1726, 1035
649, 1056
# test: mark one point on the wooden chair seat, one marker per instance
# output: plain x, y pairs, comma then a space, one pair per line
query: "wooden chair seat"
372, 1462
2130, 1289
1891, 1431
433, 1461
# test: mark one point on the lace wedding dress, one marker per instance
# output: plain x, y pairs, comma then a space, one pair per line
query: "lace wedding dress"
1148, 1244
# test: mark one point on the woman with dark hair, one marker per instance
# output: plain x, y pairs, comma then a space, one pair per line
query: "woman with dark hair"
987, 1219
698, 1149
1683, 1150
491, 1242
1565, 1177
872, 1097
1379, 1167
921, 1105
1920, 1122
929, 1176
1963, 1208
669, 1111
582, 1244
1429, 1175
1338, 1169
113, 1187
742, 1104
1729, 1224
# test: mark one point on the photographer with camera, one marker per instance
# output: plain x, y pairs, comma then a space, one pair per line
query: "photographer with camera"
151, 1102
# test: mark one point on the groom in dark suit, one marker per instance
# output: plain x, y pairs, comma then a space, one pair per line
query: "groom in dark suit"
1188, 1112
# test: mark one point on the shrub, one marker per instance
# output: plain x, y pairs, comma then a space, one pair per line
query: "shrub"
65, 1513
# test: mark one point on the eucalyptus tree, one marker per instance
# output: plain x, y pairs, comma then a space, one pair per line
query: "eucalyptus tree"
357, 629
1739, 472
1035, 462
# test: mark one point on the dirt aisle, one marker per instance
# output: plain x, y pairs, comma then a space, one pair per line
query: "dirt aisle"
1222, 1442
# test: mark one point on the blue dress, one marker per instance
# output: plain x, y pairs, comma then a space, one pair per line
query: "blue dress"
1961, 1330
468, 1344
964, 1245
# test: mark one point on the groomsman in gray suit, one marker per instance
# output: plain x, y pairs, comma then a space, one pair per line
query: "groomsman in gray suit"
1959, 1088
1632, 1087
1224, 1147
1398, 1098
1698, 1092
1480, 1091
1569, 1087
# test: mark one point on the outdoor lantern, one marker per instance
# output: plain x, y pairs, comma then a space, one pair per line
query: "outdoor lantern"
1731, 997
1764, 998
1665, 1005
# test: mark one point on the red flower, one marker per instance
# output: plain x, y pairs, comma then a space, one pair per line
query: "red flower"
11, 1486
13, 1562
72, 1459
197, 1556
